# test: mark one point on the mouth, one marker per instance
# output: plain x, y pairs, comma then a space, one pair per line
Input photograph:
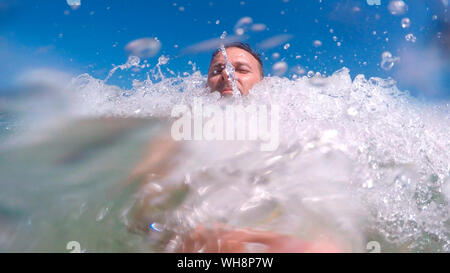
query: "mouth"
226, 91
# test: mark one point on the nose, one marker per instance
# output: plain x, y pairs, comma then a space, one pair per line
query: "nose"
224, 75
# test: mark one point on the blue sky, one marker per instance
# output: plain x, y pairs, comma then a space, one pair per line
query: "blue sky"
91, 38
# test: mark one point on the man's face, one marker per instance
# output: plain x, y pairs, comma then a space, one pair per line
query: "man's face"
247, 72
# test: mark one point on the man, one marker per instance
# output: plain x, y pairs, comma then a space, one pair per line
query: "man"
248, 69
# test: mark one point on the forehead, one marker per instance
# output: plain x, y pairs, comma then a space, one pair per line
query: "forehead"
235, 55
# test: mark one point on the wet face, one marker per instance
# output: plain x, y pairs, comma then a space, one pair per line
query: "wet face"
247, 72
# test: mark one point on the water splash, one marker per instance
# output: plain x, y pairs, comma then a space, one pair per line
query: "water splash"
397, 7
133, 61
388, 61
406, 23
357, 157
410, 38
162, 60
229, 68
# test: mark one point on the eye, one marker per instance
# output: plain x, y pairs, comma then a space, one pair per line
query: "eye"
217, 70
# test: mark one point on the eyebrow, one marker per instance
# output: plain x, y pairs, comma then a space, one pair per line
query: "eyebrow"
235, 64
238, 63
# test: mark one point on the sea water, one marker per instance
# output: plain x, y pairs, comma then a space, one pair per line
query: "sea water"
358, 159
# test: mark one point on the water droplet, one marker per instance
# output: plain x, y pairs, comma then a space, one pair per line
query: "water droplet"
279, 68
144, 48
275, 55
310, 73
368, 184
387, 61
335, 38
242, 25
74, 4
101, 215
410, 38
434, 17
224, 34
274, 41
397, 7
338, 43
406, 23
132, 61
317, 43
239, 31
217, 22
258, 27
163, 60
351, 111
298, 69
156, 227
286, 46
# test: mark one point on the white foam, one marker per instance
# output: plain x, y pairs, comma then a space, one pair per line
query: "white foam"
357, 157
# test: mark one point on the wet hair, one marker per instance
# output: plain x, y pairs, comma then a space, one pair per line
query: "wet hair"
246, 47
